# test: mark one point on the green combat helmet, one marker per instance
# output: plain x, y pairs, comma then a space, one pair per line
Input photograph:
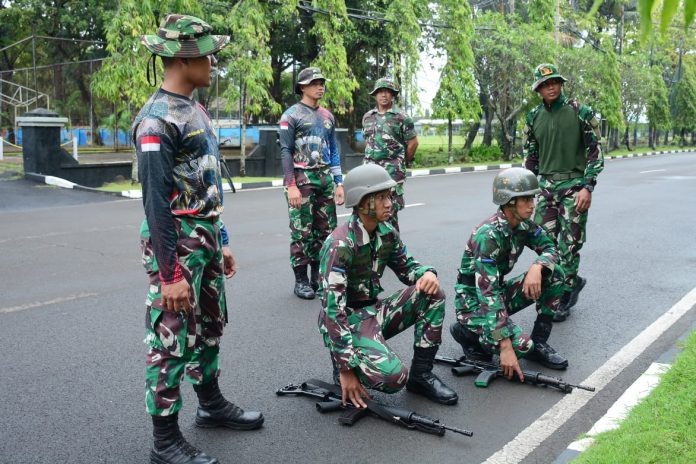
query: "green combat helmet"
385, 83
363, 180
306, 76
182, 36
512, 183
544, 72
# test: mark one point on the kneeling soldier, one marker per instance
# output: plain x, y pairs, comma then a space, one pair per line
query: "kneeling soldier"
354, 322
485, 301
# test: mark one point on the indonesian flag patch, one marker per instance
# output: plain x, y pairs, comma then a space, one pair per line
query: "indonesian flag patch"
150, 143
284, 125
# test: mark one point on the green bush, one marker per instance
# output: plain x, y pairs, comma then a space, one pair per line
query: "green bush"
483, 153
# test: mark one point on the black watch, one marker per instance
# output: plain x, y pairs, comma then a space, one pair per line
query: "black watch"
590, 188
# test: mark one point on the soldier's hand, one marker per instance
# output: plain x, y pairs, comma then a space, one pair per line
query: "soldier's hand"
294, 197
428, 284
352, 389
176, 297
229, 264
531, 287
508, 360
583, 200
338, 195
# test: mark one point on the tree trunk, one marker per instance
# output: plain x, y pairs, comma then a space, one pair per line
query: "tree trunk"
666, 141
450, 157
626, 139
488, 128
471, 136
242, 136
635, 133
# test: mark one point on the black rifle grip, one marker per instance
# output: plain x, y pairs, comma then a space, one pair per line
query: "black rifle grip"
328, 406
484, 378
351, 416
460, 371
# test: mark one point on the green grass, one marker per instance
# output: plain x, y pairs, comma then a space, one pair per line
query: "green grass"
659, 148
661, 427
127, 185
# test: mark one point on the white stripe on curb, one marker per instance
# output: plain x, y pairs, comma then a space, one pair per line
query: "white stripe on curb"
419, 172
480, 168
57, 181
541, 429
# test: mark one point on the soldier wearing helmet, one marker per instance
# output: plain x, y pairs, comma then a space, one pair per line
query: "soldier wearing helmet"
312, 177
390, 139
563, 148
485, 300
184, 241
354, 322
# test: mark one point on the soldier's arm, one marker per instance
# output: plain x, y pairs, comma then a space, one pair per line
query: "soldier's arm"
155, 143
335, 155
336, 258
540, 242
410, 137
287, 147
590, 137
531, 147
489, 289
406, 267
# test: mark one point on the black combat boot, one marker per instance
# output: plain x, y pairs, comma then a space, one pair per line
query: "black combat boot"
216, 411
470, 343
314, 275
568, 300
422, 381
302, 287
171, 447
542, 352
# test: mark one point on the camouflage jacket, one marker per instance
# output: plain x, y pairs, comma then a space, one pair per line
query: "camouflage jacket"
386, 137
490, 254
308, 141
179, 169
590, 138
352, 264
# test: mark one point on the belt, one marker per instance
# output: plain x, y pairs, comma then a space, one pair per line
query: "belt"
563, 175
362, 304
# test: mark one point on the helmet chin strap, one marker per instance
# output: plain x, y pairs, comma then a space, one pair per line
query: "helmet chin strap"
370, 210
513, 203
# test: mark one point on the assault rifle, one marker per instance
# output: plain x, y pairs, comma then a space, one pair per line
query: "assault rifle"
487, 372
328, 398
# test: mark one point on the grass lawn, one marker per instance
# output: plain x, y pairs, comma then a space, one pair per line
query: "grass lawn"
127, 185
659, 429
623, 151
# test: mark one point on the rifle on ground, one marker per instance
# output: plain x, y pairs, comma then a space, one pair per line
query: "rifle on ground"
329, 399
488, 371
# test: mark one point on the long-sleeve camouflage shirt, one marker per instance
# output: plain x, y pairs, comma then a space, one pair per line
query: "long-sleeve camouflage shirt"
491, 252
545, 143
386, 137
352, 264
308, 141
179, 169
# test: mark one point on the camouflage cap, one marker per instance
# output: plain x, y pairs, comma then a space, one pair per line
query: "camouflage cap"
385, 83
182, 36
306, 76
544, 72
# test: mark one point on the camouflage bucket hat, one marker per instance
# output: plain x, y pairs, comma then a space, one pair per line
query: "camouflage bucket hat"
182, 36
306, 76
544, 72
385, 83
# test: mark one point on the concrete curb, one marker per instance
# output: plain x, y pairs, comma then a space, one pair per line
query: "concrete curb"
633, 395
58, 182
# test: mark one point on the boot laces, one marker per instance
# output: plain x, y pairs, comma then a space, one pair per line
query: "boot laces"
187, 448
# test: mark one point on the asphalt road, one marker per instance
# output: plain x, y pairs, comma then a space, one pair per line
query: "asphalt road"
72, 294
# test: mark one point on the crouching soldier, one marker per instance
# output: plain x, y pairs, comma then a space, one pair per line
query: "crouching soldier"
354, 322
484, 300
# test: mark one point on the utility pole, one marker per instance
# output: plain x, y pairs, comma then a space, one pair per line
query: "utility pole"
33, 57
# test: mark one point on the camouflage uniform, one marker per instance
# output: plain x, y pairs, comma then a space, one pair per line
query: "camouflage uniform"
484, 300
386, 137
354, 323
310, 156
181, 238
561, 181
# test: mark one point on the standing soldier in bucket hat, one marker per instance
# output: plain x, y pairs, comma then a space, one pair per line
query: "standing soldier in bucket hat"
354, 322
390, 139
184, 242
484, 300
312, 177
563, 148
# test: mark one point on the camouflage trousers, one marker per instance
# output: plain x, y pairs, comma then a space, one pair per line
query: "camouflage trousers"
184, 345
380, 368
474, 317
314, 220
556, 213
398, 204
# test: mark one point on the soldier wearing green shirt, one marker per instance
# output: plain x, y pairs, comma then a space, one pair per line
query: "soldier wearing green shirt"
390, 139
355, 322
485, 299
563, 148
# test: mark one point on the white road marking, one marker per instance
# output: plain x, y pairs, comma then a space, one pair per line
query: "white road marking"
407, 206
531, 437
653, 170
38, 304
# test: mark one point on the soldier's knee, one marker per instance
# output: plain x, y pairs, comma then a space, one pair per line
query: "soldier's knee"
393, 379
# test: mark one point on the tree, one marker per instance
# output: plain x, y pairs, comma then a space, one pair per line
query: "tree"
684, 102
657, 105
457, 95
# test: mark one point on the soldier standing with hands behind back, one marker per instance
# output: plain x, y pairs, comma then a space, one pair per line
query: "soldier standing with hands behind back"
311, 166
